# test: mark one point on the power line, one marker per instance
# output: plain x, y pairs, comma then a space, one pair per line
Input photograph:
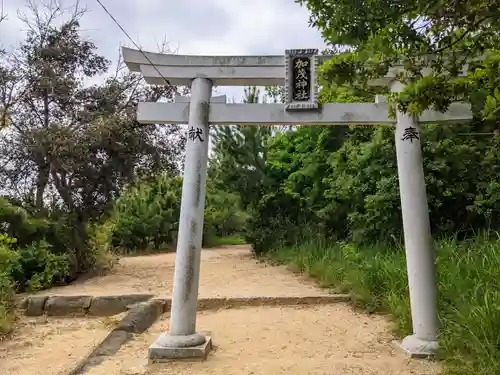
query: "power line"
136, 45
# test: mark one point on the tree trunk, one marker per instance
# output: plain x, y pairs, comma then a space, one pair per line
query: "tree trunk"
41, 185
43, 166
80, 238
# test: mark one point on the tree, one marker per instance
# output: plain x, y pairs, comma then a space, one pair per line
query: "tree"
70, 143
239, 157
440, 35
48, 68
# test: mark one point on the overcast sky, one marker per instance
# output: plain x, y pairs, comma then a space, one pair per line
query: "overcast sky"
210, 27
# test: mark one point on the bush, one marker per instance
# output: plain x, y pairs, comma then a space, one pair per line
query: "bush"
38, 257
9, 265
100, 245
33, 267
468, 287
7, 293
224, 218
346, 184
40, 267
146, 215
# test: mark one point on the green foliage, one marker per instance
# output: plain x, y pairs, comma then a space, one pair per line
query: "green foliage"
343, 183
9, 266
9, 258
146, 215
239, 157
101, 249
26, 250
415, 35
17, 223
32, 268
7, 294
375, 276
225, 241
224, 217
40, 267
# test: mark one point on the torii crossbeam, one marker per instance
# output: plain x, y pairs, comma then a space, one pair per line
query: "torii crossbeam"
296, 70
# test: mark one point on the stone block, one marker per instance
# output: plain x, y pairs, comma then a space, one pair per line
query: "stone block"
417, 348
112, 343
21, 303
159, 353
141, 317
67, 305
112, 305
35, 305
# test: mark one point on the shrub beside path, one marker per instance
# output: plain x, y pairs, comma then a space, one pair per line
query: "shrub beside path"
320, 339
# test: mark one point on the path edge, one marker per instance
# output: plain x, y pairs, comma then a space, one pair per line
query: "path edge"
142, 315
139, 318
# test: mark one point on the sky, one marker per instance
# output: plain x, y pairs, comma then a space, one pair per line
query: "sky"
191, 27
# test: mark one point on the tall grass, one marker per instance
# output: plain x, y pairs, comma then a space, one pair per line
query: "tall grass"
468, 290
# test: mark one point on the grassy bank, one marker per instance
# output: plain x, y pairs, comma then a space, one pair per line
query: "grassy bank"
468, 282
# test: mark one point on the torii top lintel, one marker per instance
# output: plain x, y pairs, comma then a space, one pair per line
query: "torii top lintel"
296, 71
180, 70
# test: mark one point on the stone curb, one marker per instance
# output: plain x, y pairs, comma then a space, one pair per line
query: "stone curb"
112, 305
205, 304
79, 305
139, 318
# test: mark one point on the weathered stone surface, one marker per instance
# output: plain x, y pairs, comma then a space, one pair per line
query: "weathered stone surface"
35, 305
67, 305
138, 319
21, 303
158, 353
108, 347
417, 348
141, 317
236, 302
112, 305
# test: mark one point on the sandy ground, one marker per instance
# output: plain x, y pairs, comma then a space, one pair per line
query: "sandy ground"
50, 346
224, 272
330, 339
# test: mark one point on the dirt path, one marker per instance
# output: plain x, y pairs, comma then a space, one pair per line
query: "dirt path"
50, 346
330, 339
225, 272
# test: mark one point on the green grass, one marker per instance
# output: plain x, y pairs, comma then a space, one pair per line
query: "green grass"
468, 284
224, 241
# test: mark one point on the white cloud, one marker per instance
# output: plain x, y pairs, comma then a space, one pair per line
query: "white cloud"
210, 27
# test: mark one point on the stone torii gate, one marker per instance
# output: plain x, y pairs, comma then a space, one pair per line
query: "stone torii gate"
297, 72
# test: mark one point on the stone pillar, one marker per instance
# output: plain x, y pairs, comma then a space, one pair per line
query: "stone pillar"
182, 335
420, 257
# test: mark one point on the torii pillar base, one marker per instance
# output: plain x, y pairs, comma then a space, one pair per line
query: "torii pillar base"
174, 348
417, 348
